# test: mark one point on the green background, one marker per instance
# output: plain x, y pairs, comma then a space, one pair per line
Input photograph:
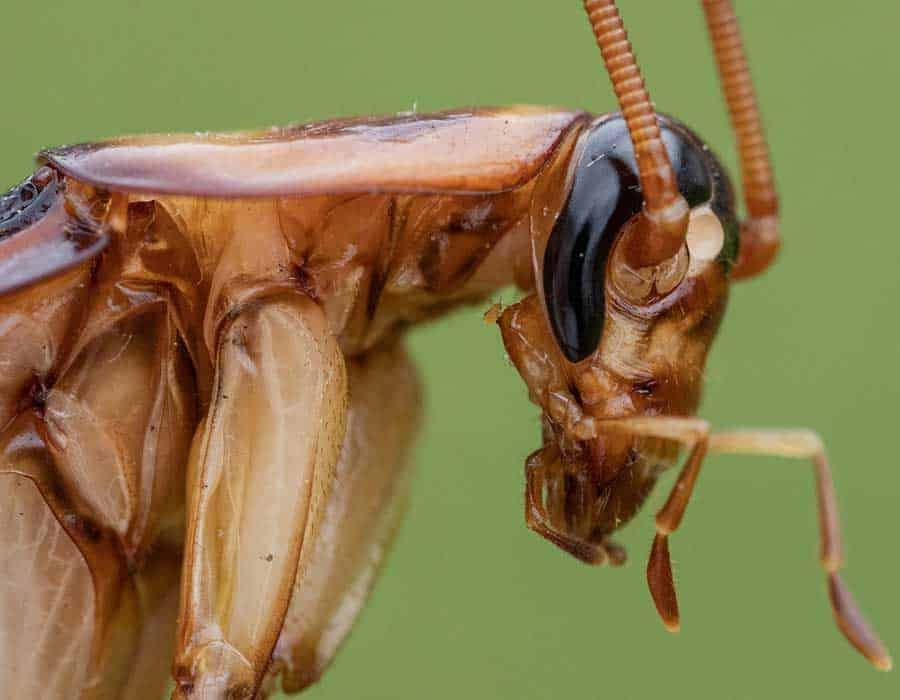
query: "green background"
471, 604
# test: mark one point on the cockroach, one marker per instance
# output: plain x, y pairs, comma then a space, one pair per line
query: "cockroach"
202, 341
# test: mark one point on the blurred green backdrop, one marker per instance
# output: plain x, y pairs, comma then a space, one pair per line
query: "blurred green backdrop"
471, 604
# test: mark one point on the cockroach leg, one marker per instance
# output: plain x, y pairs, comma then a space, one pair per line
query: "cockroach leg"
693, 432
261, 467
360, 519
806, 444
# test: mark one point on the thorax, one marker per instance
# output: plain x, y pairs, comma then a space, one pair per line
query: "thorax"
376, 262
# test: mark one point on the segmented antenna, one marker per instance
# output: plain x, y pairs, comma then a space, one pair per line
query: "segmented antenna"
760, 239
737, 84
664, 207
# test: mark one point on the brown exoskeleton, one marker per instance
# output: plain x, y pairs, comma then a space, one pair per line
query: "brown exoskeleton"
203, 371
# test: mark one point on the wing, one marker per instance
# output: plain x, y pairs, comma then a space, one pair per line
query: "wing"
475, 151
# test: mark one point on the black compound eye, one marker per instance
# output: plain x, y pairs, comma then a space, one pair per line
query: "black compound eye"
27, 202
605, 194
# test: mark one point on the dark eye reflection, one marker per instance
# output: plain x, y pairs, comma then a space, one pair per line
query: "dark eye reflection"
605, 194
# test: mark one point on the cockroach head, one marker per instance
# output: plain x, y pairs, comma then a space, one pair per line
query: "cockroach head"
600, 339
584, 258
631, 279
